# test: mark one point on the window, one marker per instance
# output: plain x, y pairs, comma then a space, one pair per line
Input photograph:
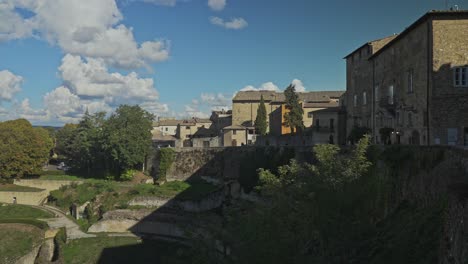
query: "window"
317, 123
460, 78
187, 127
167, 129
332, 123
377, 93
390, 95
364, 98
234, 132
310, 114
410, 119
355, 100
410, 81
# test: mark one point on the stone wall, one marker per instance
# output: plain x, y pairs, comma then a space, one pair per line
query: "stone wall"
449, 105
28, 198
223, 164
401, 66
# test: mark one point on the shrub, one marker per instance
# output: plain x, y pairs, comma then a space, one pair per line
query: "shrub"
128, 175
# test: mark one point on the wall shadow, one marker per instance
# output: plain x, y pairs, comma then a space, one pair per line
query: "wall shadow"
184, 221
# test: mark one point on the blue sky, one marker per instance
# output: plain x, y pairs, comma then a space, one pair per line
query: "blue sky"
179, 58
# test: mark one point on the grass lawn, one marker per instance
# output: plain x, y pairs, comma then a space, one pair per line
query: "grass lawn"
60, 178
123, 250
16, 188
17, 211
17, 240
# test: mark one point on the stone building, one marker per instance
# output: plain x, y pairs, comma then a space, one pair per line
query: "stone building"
359, 70
246, 103
167, 126
418, 83
195, 127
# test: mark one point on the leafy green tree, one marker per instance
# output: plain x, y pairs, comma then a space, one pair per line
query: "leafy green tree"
261, 119
23, 149
128, 137
294, 118
64, 140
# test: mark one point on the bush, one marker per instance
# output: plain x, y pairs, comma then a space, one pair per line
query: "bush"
128, 175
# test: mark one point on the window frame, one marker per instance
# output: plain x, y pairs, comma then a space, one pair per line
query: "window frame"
460, 75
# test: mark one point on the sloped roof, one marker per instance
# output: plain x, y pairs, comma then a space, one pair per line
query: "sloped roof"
168, 122
272, 96
431, 14
385, 39
159, 136
321, 105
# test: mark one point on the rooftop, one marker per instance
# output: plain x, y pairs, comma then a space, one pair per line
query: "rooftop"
434, 14
272, 96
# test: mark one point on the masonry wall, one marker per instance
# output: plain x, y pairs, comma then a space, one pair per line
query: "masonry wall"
28, 198
393, 67
449, 104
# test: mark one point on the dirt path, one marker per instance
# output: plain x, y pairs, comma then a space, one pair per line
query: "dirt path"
61, 220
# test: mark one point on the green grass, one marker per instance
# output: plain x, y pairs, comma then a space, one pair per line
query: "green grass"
122, 250
17, 241
17, 211
17, 188
60, 177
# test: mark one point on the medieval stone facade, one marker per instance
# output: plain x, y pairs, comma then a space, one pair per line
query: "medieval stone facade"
415, 85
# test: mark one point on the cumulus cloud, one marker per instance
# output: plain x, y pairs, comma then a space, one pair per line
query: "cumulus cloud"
91, 79
268, 86
298, 85
24, 110
10, 84
208, 102
82, 27
234, 23
13, 26
217, 5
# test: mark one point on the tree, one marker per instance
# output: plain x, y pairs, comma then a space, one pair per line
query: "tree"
261, 120
294, 116
128, 137
23, 149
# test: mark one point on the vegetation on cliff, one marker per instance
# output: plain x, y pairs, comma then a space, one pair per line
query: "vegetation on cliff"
336, 210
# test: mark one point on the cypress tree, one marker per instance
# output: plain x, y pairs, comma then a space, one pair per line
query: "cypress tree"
261, 119
294, 118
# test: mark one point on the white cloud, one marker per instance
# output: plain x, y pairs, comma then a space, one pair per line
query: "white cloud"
12, 25
24, 110
268, 86
217, 5
10, 84
234, 23
298, 85
87, 28
91, 79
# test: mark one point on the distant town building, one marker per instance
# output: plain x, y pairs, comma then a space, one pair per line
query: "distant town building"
414, 84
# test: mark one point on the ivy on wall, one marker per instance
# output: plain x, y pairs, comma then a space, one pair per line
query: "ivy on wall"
167, 157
